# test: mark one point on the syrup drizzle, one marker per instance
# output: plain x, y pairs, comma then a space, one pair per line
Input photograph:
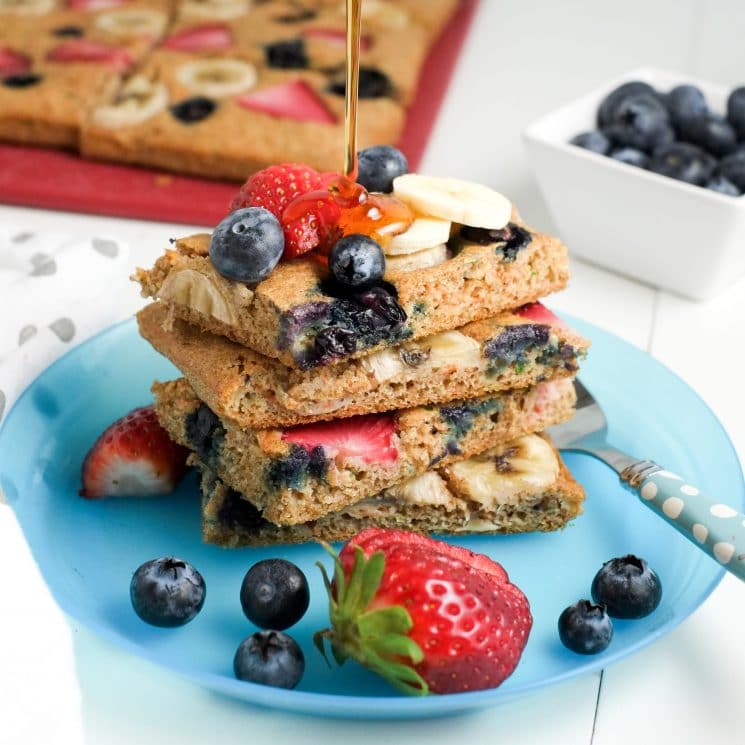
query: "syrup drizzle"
354, 23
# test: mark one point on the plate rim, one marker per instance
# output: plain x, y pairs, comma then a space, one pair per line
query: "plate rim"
396, 706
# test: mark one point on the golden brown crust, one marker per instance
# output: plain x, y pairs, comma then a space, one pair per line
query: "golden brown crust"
247, 459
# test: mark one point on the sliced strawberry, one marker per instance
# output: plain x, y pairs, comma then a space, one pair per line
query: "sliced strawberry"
425, 617
368, 437
95, 4
295, 100
335, 37
83, 50
540, 313
13, 63
133, 457
201, 38
310, 222
275, 187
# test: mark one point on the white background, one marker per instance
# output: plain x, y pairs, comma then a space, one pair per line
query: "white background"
59, 684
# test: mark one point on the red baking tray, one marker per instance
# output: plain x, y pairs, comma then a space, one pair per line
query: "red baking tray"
54, 179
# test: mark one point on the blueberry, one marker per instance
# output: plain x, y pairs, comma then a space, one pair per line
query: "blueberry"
711, 132
21, 81
247, 245
274, 594
628, 587
288, 54
732, 167
382, 303
595, 141
357, 261
69, 32
193, 110
585, 628
510, 239
167, 592
736, 111
608, 106
722, 185
685, 102
269, 658
335, 341
684, 162
201, 427
379, 165
641, 122
631, 156
514, 341
373, 84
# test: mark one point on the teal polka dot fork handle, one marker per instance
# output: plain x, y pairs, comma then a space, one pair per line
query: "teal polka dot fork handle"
713, 526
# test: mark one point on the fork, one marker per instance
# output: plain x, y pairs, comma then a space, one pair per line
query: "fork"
712, 526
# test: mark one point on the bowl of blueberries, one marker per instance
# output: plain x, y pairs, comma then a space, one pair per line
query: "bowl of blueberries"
646, 175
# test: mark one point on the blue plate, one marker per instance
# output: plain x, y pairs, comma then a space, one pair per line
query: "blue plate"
87, 551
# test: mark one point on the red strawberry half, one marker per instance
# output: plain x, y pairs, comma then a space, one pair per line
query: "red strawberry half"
423, 616
540, 313
200, 38
368, 437
275, 187
83, 50
133, 457
335, 37
294, 100
13, 63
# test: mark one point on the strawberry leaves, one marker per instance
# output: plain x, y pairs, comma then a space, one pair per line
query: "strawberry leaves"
377, 638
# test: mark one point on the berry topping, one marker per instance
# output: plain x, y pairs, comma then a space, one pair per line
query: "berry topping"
335, 37
247, 245
510, 239
335, 341
133, 457
585, 628
628, 587
377, 166
373, 84
357, 261
275, 187
13, 63
369, 438
269, 658
383, 305
736, 111
193, 110
167, 592
631, 156
286, 55
69, 32
684, 162
641, 122
21, 81
541, 314
686, 102
309, 222
200, 38
274, 594
610, 104
294, 100
594, 141
424, 615
83, 50
513, 341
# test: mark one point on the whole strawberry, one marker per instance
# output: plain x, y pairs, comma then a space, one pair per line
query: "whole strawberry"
426, 616
275, 187
133, 457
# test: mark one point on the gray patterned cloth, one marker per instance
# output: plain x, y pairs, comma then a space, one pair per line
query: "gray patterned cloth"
54, 293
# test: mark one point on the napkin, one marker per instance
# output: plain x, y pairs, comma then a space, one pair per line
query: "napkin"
55, 291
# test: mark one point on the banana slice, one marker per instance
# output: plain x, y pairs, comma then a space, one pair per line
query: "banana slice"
216, 78
453, 199
192, 289
432, 352
138, 100
425, 232
27, 7
527, 464
132, 22
427, 489
215, 9
419, 260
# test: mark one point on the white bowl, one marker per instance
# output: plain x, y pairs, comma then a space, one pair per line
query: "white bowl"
664, 232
